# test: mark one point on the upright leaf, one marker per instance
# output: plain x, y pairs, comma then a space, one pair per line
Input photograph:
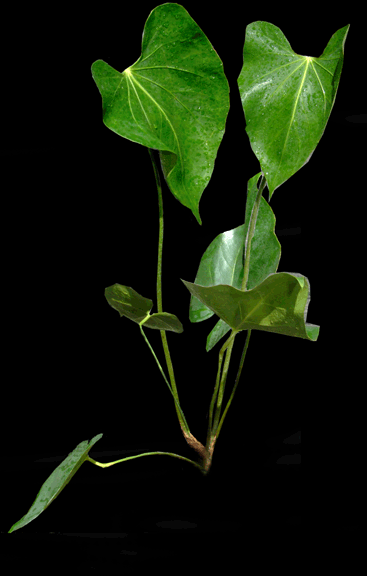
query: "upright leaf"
57, 481
223, 260
287, 98
175, 98
279, 304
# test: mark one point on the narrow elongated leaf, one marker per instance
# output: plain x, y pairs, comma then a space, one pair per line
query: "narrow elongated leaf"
135, 307
175, 99
57, 481
223, 260
287, 98
279, 304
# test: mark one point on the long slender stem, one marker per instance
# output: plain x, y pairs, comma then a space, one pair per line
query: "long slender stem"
237, 380
139, 456
214, 429
223, 383
215, 393
178, 407
183, 422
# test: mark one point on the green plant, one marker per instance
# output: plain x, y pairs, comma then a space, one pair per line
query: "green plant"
175, 99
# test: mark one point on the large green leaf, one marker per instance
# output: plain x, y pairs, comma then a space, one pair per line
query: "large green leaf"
287, 98
279, 304
223, 260
175, 99
135, 307
57, 481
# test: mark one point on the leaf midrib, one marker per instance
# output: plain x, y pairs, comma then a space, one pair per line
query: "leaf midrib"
308, 61
293, 114
130, 77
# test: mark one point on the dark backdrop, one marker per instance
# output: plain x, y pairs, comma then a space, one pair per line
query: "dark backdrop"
80, 213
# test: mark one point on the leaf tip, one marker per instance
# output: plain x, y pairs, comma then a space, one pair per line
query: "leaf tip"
312, 332
197, 216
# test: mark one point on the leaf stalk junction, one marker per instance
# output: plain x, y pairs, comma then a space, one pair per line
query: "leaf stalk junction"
216, 419
215, 423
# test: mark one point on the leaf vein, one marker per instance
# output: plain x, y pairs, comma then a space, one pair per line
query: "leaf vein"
169, 68
163, 88
292, 117
170, 125
141, 105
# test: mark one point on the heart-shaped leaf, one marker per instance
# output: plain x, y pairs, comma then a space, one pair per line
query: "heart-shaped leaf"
279, 304
287, 98
175, 99
57, 481
223, 260
135, 307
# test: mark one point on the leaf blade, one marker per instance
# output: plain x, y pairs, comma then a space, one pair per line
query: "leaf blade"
223, 260
164, 321
131, 304
279, 304
56, 482
128, 302
175, 99
287, 98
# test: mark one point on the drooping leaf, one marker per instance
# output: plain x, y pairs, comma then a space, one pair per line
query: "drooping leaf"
57, 481
279, 304
223, 260
135, 307
287, 98
175, 98
164, 321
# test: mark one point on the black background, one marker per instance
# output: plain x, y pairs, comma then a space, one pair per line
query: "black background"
79, 214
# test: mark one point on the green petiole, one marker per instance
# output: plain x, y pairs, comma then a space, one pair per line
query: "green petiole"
178, 407
181, 418
214, 428
89, 459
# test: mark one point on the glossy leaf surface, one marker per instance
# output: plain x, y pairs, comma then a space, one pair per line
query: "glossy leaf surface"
287, 98
279, 304
57, 481
135, 307
223, 260
175, 99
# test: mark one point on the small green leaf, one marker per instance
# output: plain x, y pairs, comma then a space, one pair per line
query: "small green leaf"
287, 98
128, 302
175, 99
164, 321
57, 481
135, 307
279, 304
